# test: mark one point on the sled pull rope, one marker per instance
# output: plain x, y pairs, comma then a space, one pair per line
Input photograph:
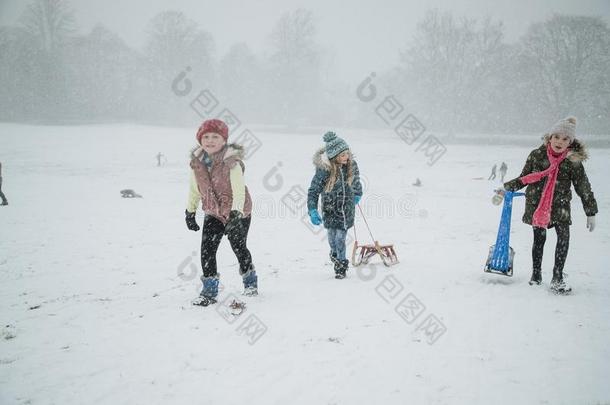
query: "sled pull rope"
365, 222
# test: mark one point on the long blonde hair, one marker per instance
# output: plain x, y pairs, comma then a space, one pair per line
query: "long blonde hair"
335, 167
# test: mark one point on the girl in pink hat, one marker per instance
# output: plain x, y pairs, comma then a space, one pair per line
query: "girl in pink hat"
217, 181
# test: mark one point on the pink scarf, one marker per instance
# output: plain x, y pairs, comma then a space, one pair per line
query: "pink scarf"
542, 215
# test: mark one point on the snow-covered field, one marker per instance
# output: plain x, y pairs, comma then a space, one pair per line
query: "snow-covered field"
95, 289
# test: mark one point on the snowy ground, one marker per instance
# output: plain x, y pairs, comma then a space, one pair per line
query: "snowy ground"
95, 289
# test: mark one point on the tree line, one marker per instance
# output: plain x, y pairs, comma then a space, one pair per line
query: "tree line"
455, 74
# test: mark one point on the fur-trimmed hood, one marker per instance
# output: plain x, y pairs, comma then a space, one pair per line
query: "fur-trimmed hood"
231, 152
577, 150
320, 160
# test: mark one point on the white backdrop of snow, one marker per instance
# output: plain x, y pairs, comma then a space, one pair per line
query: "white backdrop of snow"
114, 324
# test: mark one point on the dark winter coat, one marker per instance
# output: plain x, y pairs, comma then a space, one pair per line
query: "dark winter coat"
571, 171
337, 205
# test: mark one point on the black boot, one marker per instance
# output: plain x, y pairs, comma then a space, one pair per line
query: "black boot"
536, 277
333, 258
558, 286
340, 269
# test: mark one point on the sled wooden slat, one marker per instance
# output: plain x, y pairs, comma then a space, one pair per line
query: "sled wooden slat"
361, 254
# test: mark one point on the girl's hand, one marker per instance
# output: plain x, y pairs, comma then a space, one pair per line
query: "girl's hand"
314, 217
591, 223
498, 196
191, 224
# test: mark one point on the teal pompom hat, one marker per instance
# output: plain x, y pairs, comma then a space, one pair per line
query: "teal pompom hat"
334, 144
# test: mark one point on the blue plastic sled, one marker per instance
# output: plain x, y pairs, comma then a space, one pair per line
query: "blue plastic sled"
500, 259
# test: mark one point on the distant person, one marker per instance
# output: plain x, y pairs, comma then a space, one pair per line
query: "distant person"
417, 182
503, 170
160, 159
492, 176
4, 201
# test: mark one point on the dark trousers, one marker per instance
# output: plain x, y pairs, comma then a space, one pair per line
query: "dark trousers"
561, 249
212, 233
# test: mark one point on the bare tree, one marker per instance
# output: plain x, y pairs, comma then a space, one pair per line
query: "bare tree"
176, 43
295, 67
175, 40
293, 38
447, 65
242, 82
104, 76
568, 58
46, 29
49, 23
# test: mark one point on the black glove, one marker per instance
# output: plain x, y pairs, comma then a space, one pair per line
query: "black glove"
190, 221
234, 222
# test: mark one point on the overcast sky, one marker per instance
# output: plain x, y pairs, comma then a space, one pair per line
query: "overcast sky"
362, 35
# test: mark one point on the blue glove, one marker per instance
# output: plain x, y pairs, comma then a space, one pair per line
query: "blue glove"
357, 199
314, 217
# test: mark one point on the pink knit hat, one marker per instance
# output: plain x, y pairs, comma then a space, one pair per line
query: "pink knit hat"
213, 125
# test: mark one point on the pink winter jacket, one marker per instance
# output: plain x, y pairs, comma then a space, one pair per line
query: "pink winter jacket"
214, 184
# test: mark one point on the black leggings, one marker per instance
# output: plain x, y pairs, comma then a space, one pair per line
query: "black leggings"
212, 233
561, 249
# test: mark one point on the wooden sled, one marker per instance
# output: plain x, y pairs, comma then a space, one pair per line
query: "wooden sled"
361, 254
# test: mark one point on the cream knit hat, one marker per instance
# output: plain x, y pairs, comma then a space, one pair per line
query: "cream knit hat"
566, 126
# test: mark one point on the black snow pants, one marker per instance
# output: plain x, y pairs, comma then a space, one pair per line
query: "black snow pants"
212, 233
561, 249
